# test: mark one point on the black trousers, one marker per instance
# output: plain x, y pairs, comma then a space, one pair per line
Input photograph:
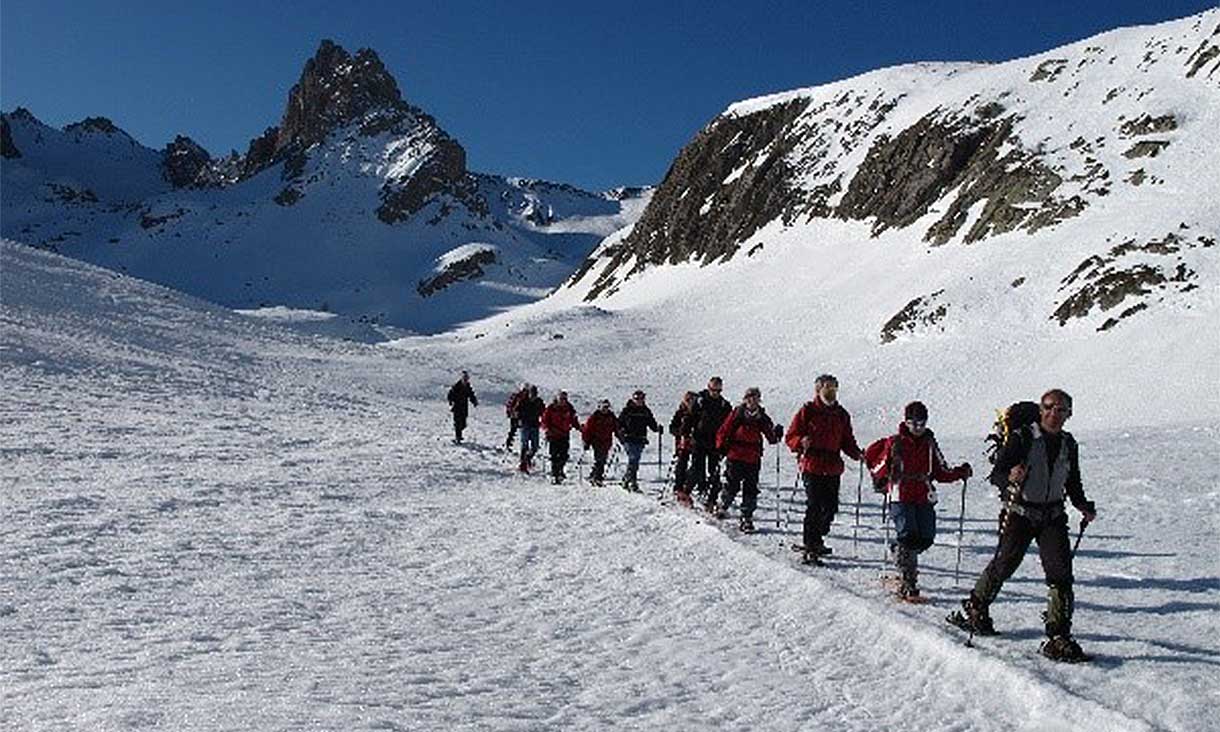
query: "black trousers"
599, 462
821, 505
1049, 528
512, 431
705, 463
559, 453
743, 476
459, 423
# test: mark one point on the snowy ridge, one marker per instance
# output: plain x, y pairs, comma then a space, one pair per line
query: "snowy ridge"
219, 524
345, 209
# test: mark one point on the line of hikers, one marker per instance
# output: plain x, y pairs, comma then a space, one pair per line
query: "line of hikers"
1036, 468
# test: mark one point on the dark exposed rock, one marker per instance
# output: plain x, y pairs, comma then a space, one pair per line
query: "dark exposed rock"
1206, 51
1049, 70
467, 268
922, 311
7, 148
1148, 125
336, 88
1105, 282
901, 177
261, 152
1146, 149
148, 221
67, 194
185, 163
444, 171
93, 124
288, 196
724, 185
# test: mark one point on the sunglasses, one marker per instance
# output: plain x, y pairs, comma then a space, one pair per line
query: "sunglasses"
1060, 408
917, 424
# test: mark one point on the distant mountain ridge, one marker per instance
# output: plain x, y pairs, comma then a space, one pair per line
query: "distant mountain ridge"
1070, 143
352, 203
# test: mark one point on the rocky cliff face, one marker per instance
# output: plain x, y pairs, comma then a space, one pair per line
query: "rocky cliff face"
935, 155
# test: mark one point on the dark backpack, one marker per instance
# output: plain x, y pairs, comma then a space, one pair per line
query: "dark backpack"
1008, 421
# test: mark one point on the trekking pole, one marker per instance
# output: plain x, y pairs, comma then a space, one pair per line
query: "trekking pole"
961, 532
791, 498
777, 488
1079, 535
580, 476
885, 523
855, 529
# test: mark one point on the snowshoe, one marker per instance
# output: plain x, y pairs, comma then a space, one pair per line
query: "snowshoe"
1063, 648
971, 619
746, 525
812, 558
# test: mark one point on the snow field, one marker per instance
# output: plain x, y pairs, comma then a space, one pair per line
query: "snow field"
215, 523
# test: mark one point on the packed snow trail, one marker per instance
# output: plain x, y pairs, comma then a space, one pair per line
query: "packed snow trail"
212, 523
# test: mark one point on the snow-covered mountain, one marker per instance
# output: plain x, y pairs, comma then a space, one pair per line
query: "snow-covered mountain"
357, 203
1083, 178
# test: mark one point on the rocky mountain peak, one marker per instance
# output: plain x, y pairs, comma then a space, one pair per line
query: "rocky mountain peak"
336, 88
94, 124
186, 162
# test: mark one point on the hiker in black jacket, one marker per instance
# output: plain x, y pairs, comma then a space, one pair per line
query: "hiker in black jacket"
1036, 469
461, 396
708, 413
634, 422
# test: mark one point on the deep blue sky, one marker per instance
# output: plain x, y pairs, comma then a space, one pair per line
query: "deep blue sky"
595, 94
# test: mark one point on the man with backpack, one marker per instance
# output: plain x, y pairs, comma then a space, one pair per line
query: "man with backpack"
634, 422
559, 420
905, 465
598, 433
820, 431
1037, 468
740, 440
529, 414
461, 396
708, 413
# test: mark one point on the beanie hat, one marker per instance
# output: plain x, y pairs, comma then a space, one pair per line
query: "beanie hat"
916, 411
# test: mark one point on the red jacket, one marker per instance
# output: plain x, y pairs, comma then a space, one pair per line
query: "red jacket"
740, 436
829, 429
599, 430
909, 464
559, 419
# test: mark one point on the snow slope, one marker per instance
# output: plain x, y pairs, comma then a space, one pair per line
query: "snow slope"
213, 522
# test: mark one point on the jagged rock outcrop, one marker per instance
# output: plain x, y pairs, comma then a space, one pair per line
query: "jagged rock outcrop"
94, 124
336, 88
443, 171
8, 149
467, 268
186, 163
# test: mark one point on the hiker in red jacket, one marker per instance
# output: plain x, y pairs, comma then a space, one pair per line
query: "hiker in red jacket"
598, 433
819, 432
558, 420
740, 440
909, 462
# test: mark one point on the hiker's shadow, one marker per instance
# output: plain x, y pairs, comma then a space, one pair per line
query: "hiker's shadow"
1193, 585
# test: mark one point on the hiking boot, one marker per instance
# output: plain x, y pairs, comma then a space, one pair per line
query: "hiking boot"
523, 467
746, 525
1063, 648
682, 497
720, 512
709, 505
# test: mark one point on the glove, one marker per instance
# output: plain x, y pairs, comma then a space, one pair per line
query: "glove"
779, 432
965, 470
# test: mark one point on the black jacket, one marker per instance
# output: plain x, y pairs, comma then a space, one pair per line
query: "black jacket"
529, 410
461, 396
709, 413
634, 422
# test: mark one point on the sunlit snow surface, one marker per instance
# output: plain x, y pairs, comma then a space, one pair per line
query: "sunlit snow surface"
213, 521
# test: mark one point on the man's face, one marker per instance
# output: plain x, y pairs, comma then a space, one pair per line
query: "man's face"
829, 392
638, 397
1055, 411
715, 387
752, 401
917, 426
